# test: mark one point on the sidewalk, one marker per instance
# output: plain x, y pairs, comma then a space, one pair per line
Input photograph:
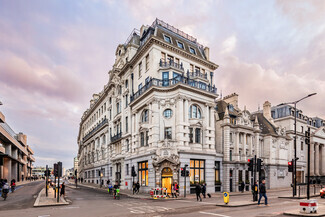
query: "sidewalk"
42, 200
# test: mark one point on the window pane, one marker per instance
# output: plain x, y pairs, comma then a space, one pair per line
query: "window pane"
146, 177
202, 176
197, 163
202, 163
147, 165
191, 163
143, 165
197, 175
191, 176
143, 177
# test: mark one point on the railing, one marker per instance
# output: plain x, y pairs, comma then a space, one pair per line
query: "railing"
197, 73
313, 190
95, 129
134, 32
171, 63
171, 82
116, 137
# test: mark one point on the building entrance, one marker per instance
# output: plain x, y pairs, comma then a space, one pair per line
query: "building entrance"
167, 179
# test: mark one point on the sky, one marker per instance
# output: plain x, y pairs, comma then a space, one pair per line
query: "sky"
55, 54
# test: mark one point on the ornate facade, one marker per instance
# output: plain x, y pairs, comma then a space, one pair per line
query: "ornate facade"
156, 113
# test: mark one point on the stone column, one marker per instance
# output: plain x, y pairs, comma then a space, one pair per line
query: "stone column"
244, 146
211, 117
323, 160
185, 113
178, 115
312, 159
235, 137
317, 159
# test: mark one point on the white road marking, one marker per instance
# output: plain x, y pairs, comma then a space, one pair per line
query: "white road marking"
44, 215
117, 204
209, 213
189, 201
70, 207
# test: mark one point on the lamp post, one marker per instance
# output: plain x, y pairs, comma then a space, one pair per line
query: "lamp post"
294, 189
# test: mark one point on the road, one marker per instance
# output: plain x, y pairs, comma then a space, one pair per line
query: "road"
91, 202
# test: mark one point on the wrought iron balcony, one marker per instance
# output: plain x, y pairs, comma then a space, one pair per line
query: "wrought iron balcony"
105, 121
171, 63
171, 82
196, 74
116, 137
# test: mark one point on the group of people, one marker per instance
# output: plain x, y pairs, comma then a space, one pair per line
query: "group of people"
200, 189
136, 187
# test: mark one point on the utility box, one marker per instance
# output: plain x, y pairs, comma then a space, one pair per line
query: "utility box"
308, 206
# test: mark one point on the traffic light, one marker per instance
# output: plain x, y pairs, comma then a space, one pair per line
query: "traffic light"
1, 160
133, 173
182, 172
75, 172
187, 173
250, 164
259, 164
290, 166
55, 170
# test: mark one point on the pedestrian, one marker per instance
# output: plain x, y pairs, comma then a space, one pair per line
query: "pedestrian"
198, 192
262, 193
242, 185
137, 187
62, 192
255, 191
174, 190
204, 190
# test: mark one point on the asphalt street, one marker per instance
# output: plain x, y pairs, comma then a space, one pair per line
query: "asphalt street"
88, 202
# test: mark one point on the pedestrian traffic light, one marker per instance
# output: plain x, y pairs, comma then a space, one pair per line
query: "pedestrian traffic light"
250, 164
133, 173
187, 173
259, 164
290, 166
182, 172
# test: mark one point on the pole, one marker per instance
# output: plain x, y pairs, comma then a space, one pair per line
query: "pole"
185, 180
46, 183
54, 186
58, 196
254, 169
295, 160
308, 164
76, 178
293, 178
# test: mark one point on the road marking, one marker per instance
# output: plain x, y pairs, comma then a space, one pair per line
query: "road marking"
44, 215
189, 201
209, 213
70, 207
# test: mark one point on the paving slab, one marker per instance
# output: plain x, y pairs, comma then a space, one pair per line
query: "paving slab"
42, 200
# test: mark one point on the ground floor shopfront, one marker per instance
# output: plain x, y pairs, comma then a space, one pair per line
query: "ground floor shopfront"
164, 170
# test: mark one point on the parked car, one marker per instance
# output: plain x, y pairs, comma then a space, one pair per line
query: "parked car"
322, 193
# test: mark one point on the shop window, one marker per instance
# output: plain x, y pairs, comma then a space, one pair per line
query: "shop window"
143, 173
197, 172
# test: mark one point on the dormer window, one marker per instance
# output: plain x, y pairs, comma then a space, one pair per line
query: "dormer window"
192, 50
119, 52
180, 45
167, 39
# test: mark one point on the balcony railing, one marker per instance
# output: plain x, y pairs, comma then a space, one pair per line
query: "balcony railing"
116, 137
105, 121
196, 74
171, 82
171, 63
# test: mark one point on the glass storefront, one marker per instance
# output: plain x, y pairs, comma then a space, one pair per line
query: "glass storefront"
143, 173
197, 173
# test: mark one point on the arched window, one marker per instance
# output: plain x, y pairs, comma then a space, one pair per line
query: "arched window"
195, 112
145, 116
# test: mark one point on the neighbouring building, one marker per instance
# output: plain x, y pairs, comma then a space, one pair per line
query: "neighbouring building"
39, 171
284, 116
240, 135
16, 157
75, 164
156, 114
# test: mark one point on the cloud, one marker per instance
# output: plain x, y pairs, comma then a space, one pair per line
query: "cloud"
229, 44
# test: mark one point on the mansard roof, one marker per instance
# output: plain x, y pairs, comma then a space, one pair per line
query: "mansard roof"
221, 109
265, 126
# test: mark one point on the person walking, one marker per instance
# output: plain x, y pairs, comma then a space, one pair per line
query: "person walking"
198, 192
62, 192
242, 186
262, 193
138, 187
204, 189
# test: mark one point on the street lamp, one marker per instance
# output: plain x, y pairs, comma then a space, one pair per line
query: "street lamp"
294, 189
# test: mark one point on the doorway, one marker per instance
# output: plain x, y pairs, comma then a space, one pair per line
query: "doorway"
167, 179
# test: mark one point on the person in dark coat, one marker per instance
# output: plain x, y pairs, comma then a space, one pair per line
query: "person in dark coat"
198, 192
62, 192
262, 193
204, 189
242, 185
